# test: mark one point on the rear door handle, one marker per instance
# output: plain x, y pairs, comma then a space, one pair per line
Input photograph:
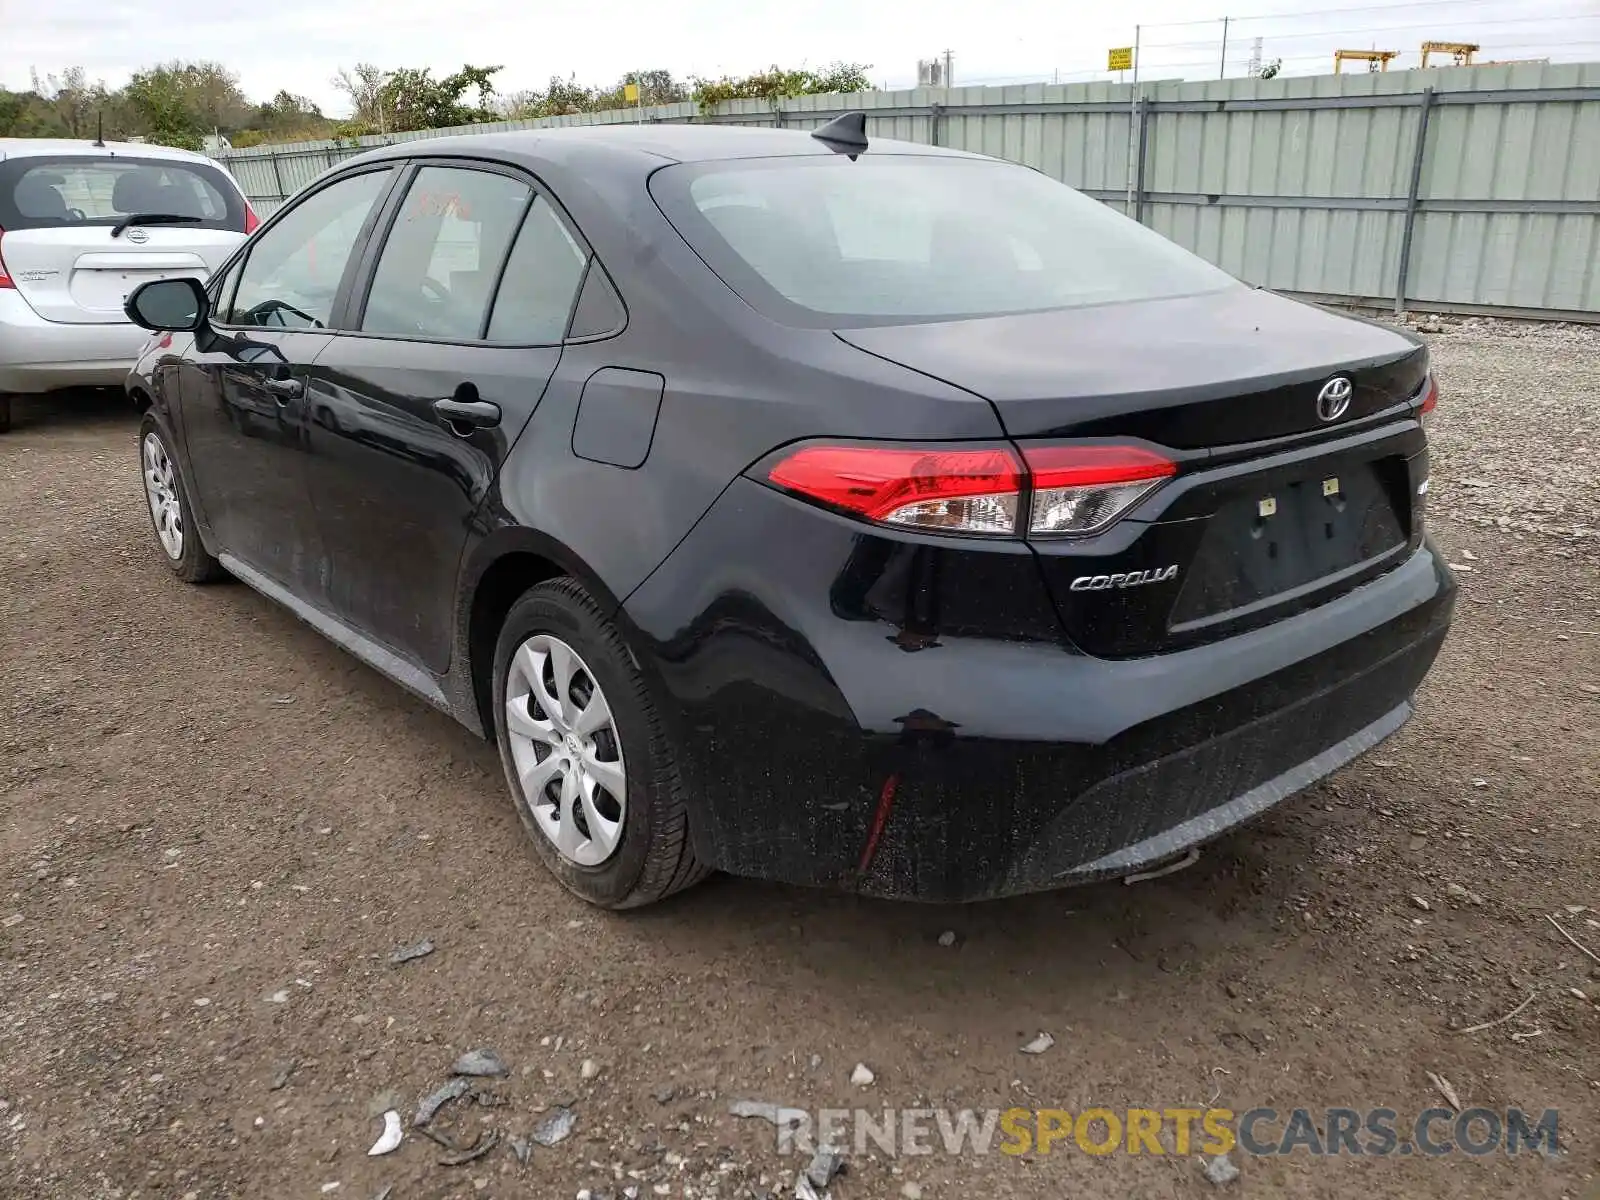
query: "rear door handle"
476, 414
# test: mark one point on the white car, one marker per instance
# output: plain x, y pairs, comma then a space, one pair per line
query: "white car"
81, 225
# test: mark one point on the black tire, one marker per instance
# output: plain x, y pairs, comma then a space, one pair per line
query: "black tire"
5, 413
195, 564
653, 858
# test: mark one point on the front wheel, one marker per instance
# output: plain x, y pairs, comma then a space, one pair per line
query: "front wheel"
591, 771
170, 511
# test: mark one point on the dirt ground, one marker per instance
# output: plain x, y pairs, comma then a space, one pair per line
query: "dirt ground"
217, 826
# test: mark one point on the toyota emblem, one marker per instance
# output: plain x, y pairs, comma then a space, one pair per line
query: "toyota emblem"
138, 236
1334, 398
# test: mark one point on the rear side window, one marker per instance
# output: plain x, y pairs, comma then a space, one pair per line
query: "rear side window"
438, 268
62, 191
541, 280
821, 241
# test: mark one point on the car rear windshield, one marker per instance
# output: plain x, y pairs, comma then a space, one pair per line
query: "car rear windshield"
58, 192
827, 242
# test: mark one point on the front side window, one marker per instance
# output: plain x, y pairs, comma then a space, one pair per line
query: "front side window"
436, 275
540, 283
62, 191
292, 274
823, 241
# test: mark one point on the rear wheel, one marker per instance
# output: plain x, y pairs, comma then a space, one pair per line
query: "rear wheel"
168, 504
590, 768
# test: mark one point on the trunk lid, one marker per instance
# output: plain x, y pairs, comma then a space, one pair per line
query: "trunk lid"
1229, 367
82, 275
1275, 507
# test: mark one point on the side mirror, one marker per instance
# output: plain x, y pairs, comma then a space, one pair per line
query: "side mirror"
168, 305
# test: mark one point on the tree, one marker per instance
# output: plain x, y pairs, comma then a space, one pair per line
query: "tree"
364, 85
67, 103
776, 83
413, 99
1270, 70
158, 103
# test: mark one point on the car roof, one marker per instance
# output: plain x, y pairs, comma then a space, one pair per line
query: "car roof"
84, 148
644, 147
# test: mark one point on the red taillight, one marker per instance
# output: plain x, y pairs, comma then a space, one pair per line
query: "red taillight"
251, 221
966, 491
1075, 490
1094, 465
1431, 400
1079, 490
5, 279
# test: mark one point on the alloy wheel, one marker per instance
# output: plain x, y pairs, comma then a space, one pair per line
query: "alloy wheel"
566, 749
161, 489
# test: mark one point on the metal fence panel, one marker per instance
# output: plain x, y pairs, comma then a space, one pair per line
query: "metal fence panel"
1470, 188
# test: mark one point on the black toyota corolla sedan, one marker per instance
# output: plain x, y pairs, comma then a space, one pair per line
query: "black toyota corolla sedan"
867, 515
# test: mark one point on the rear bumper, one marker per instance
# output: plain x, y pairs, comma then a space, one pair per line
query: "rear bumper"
40, 356
1016, 766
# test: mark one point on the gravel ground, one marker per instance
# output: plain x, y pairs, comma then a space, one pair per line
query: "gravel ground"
218, 827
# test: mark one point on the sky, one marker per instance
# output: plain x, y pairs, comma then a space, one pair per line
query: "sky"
299, 44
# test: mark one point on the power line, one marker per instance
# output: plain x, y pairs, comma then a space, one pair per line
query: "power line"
1350, 33
1327, 12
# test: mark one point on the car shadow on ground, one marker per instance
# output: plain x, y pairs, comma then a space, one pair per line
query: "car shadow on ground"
72, 410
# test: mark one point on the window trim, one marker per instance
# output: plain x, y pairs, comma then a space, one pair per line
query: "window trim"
216, 301
364, 234
361, 288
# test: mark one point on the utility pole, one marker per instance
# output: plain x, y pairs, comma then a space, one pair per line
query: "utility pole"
1222, 70
1255, 59
948, 81
1133, 119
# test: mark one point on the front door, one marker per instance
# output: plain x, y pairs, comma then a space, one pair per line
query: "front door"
244, 387
456, 329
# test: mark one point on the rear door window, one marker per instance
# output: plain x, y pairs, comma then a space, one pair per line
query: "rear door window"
437, 272
61, 191
292, 275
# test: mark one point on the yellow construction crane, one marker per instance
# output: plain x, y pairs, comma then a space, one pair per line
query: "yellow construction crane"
1376, 60
1462, 52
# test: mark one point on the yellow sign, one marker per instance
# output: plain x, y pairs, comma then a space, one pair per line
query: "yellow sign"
630, 93
1120, 59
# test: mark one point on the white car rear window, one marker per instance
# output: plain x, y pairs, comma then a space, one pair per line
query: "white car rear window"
62, 191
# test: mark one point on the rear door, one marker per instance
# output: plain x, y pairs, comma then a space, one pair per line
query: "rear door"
456, 329
243, 389
66, 246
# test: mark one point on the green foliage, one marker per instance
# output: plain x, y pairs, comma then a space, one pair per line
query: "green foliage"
564, 97
413, 99
156, 101
776, 83
1270, 70
182, 103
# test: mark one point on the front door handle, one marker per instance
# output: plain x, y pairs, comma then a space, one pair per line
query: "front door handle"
284, 390
475, 414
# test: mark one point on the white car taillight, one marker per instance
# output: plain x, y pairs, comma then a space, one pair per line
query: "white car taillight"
5, 279
1074, 490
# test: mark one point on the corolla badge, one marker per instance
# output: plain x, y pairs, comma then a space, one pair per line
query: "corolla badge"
1334, 398
1128, 579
